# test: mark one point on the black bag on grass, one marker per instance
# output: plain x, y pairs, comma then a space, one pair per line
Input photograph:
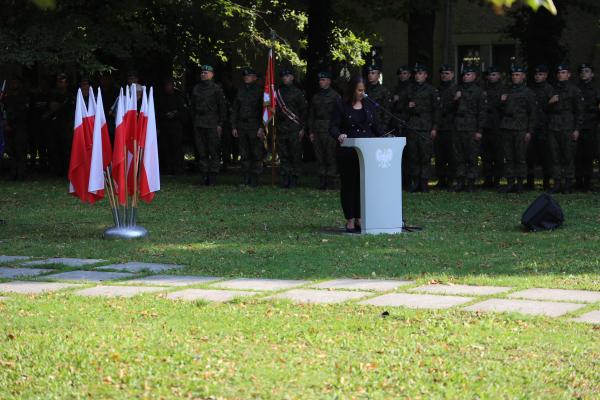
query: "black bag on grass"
543, 214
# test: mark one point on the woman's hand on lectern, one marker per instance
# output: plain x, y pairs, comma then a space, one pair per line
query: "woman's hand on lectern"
342, 137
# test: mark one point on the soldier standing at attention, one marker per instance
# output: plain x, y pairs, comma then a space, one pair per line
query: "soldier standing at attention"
246, 124
379, 94
443, 142
586, 145
538, 149
290, 120
404, 82
492, 153
16, 105
422, 108
319, 116
565, 119
210, 110
518, 110
469, 118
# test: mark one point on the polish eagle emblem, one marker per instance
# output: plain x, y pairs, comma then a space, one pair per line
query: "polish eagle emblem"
384, 157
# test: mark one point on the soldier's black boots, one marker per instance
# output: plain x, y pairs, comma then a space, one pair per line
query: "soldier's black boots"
424, 187
557, 188
470, 187
460, 185
253, 180
212, 179
206, 180
413, 185
293, 182
442, 183
546, 183
322, 183
510, 186
530, 182
519, 186
568, 188
488, 183
285, 181
329, 182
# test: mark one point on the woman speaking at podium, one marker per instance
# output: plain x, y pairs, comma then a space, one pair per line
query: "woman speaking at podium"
353, 117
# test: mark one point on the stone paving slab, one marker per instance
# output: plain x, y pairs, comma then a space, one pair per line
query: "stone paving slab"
34, 287
583, 296
89, 276
529, 307
259, 284
14, 272
117, 291
319, 296
461, 289
220, 296
5, 259
69, 262
174, 280
427, 301
361, 284
591, 317
140, 266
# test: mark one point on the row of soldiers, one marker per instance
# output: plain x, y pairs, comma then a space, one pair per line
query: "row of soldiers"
512, 128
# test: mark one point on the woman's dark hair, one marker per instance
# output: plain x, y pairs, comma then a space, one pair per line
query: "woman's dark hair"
351, 87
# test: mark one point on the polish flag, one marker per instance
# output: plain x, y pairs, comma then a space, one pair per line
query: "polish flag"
119, 158
269, 97
150, 174
78, 165
132, 132
101, 152
89, 120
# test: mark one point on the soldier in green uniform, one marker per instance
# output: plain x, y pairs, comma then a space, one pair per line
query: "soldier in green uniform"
565, 119
469, 118
518, 110
587, 145
319, 115
404, 74
16, 105
538, 150
443, 142
210, 111
422, 108
290, 119
492, 153
379, 94
246, 122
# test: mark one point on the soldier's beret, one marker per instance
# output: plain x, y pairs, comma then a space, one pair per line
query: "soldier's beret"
562, 67
373, 67
207, 67
518, 68
403, 68
542, 68
492, 69
585, 65
468, 68
248, 71
420, 68
62, 76
446, 68
286, 71
324, 75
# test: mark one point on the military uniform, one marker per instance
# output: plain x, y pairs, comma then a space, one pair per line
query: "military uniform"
246, 114
398, 109
319, 116
538, 149
564, 117
492, 148
518, 119
16, 107
210, 111
382, 96
587, 143
469, 119
422, 107
443, 143
171, 112
290, 119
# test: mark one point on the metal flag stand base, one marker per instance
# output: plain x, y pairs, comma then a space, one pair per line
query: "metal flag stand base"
125, 232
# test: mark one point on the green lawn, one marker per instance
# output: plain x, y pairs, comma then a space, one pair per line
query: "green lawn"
63, 346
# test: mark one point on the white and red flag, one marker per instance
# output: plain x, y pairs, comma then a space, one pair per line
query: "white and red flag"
119, 158
131, 116
150, 174
101, 152
78, 165
269, 97
88, 119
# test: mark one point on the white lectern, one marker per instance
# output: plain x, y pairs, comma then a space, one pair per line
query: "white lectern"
380, 182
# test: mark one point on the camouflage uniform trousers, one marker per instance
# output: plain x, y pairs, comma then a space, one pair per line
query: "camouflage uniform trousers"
252, 151
443, 154
207, 144
562, 148
585, 153
492, 153
538, 153
289, 148
419, 149
325, 146
466, 151
515, 165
